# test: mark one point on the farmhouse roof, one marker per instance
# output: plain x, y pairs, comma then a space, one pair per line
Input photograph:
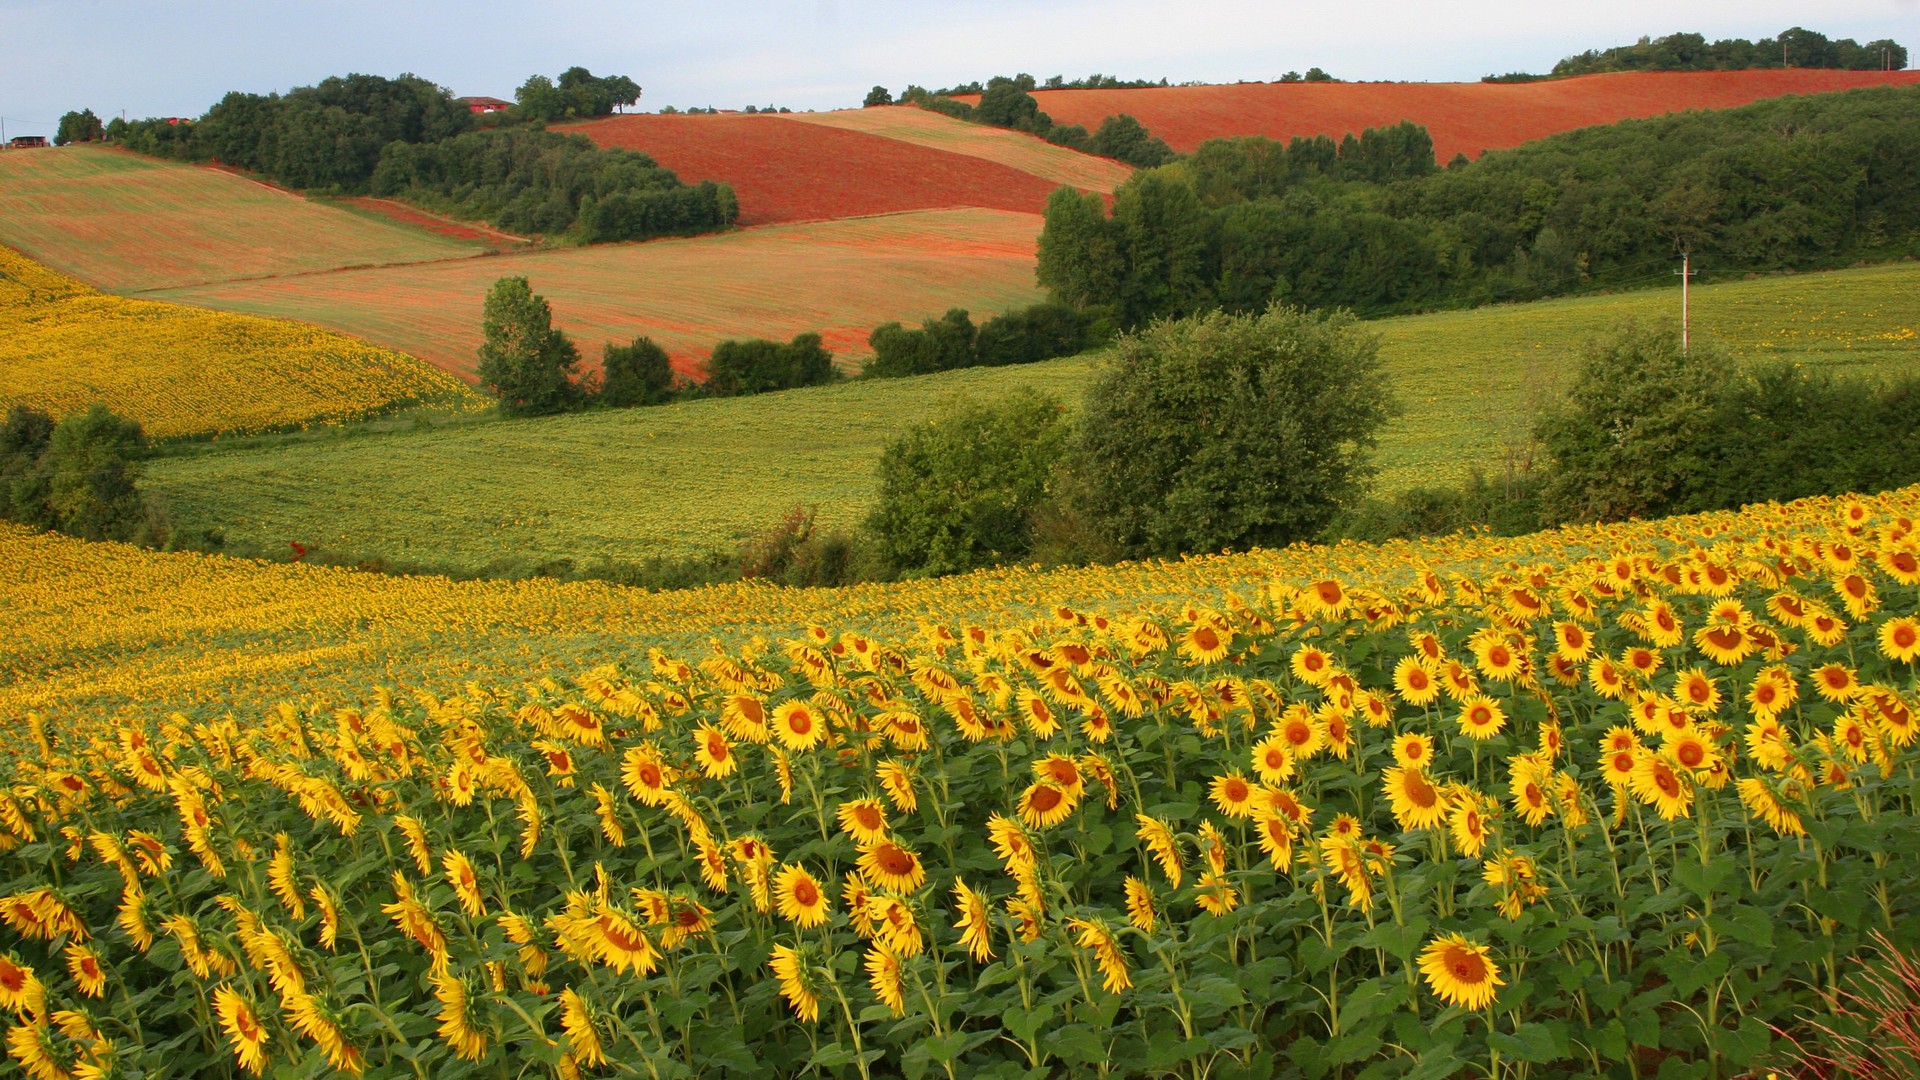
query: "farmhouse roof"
483, 100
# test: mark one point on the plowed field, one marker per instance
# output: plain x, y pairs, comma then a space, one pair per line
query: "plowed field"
128, 223
784, 170
1462, 117
1024, 152
841, 278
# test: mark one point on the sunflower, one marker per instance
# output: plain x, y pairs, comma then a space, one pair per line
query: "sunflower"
895, 925
416, 837
799, 897
1043, 805
1527, 786
1852, 737
1140, 910
1836, 682
790, 969
1233, 795
1313, 666
1010, 844
713, 753
1696, 691
863, 819
1339, 733
1347, 863
329, 908
1692, 750
1412, 750
1467, 826
645, 774
1162, 844
1894, 716
1481, 718
1571, 641
884, 976
798, 725
1326, 598
1608, 680
1858, 594
1039, 717
1062, 772
1272, 760
1826, 630
583, 1032
1724, 643
1298, 730
1275, 831
1902, 566
1460, 972
896, 780
618, 942
88, 975
309, 1016
1417, 803
243, 1027
1497, 659
1659, 785
976, 922
1204, 643
1766, 804
892, 866
1900, 639
465, 882
280, 877
1215, 894
456, 1019
1458, 681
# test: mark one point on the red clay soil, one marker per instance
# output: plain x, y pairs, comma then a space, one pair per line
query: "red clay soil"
1462, 117
783, 170
434, 223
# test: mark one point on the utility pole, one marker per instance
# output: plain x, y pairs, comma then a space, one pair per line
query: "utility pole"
1686, 275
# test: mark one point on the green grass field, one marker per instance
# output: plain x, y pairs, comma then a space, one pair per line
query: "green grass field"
684, 478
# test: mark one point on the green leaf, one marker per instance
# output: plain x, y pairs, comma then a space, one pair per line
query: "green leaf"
1535, 1043
1023, 1023
1610, 1040
1751, 926
1076, 1045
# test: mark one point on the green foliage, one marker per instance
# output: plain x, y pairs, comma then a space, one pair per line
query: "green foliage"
756, 365
1648, 430
636, 374
1370, 224
80, 126
579, 95
879, 95
1230, 431
409, 139
78, 476
959, 492
1796, 47
794, 552
1040, 332
1126, 139
1314, 74
939, 345
524, 361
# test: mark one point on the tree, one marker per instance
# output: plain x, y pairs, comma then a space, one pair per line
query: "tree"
524, 361
1635, 427
756, 365
959, 492
877, 96
1080, 259
636, 374
1229, 431
78, 476
1126, 139
23, 439
80, 126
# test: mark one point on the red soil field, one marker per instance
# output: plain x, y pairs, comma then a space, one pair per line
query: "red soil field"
783, 170
1462, 117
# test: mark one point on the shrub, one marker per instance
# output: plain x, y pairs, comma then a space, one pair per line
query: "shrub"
1040, 332
1230, 431
78, 476
959, 492
757, 365
636, 374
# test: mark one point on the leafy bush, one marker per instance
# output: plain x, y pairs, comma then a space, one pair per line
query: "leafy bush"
78, 476
636, 374
1230, 431
756, 365
959, 492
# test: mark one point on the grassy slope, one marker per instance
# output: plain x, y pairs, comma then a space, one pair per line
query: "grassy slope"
128, 224
1027, 153
679, 479
841, 278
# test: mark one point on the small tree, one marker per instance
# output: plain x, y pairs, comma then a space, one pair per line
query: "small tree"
77, 476
636, 374
1635, 428
877, 96
23, 439
80, 126
524, 361
959, 493
1230, 431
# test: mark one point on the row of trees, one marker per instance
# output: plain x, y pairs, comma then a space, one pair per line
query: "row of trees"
410, 139
1008, 102
1040, 332
78, 476
1795, 47
1790, 183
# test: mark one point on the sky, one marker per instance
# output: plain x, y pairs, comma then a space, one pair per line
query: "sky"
177, 57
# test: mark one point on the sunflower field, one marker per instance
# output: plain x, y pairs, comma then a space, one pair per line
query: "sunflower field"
184, 371
1618, 810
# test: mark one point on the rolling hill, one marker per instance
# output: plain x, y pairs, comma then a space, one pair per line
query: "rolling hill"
682, 479
1464, 118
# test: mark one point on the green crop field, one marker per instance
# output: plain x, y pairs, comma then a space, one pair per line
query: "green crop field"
129, 224
684, 478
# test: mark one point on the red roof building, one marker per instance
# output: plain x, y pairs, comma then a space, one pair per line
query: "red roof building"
485, 104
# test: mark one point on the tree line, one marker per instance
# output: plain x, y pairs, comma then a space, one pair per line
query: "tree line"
1795, 47
1369, 224
409, 139
1008, 102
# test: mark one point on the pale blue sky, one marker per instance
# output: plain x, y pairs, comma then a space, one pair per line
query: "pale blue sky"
176, 57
